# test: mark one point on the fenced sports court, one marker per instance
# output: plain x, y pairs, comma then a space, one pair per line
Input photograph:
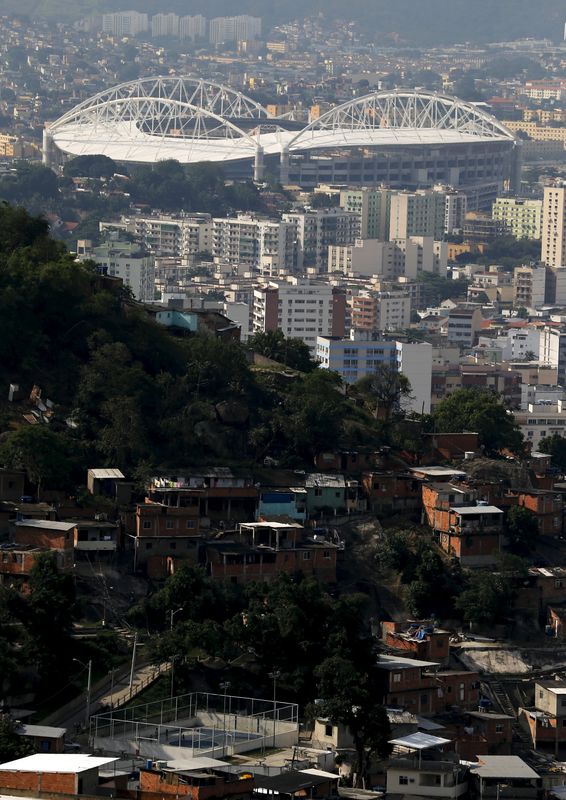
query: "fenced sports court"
196, 724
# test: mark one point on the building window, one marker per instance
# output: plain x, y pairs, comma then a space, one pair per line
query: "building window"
396, 677
326, 554
328, 729
499, 729
307, 555
169, 523
147, 524
403, 780
318, 492
190, 523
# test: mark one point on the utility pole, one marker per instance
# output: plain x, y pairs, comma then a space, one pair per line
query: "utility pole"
275, 674
133, 662
225, 685
88, 689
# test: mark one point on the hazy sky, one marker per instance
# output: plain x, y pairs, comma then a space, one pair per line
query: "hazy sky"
417, 21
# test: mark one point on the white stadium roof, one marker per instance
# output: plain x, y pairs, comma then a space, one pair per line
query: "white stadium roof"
193, 120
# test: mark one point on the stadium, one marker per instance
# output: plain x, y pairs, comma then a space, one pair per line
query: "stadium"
402, 138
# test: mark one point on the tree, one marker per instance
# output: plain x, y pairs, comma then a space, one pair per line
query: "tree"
385, 390
488, 598
530, 356
313, 415
292, 352
12, 745
349, 698
554, 446
95, 166
50, 608
481, 411
44, 454
522, 530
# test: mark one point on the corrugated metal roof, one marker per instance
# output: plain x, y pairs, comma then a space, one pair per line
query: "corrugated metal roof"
419, 741
503, 767
476, 510
46, 524
47, 731
104, 474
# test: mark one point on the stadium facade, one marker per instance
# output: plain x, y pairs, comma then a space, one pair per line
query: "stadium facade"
403, 138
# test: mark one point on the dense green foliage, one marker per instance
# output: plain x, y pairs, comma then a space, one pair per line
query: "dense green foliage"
12, 746
133, 392
522, 530
42, 639
289, 625
348, 695
435, 288
555, 446
37, 649
167, 185
480, 411
384, 390
431, 587
292, 352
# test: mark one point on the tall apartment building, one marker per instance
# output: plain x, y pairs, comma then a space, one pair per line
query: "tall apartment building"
420, 213
552, 350
255, 243
455, 208
529, 287
464, 324
364, 257
390, 260
360, 355
192, 28
124, 260
381, 311
181, 237
301, 308
165, 25
125, 23
373, 206
521, 217
553, 250
242, 28
392, 214
317, 229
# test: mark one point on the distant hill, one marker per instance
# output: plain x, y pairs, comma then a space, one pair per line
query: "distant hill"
421, 22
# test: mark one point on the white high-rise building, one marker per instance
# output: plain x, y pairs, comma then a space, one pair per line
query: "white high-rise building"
553, 251
125, 23
420, 213
234, 29
192, 27
390, 260
266, 245
173, 236
165, 25
373, 207
552, 351
455, 207
301, 308
361, 354
124, 260
317, 229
